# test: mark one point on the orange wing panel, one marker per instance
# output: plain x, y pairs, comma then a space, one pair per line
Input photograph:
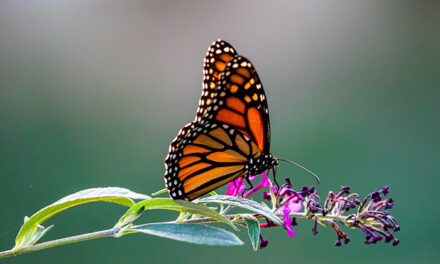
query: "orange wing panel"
194, 182
256, 126
226, 156
190, 149
214, 186
191, 169
244, 72
237, 79
225, 57
221, 66
229, 117
236, 104
188, 160
220, 134
241, 144
207, 141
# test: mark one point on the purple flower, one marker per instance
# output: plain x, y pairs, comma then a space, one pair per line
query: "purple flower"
264, 183
293, 205
236, 187
288, 222
290, 199
385, 190
266, 196
263, 243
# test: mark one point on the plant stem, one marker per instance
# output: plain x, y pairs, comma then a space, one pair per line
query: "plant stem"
62, 241
113, 232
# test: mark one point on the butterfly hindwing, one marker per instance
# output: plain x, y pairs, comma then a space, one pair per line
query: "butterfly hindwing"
205, 157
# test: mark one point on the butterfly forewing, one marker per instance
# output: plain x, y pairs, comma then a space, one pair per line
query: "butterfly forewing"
239, 100
218, 55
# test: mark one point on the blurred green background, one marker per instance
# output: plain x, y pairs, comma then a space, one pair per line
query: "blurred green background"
92, 92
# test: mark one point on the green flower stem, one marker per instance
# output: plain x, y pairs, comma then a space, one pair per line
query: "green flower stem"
115, 232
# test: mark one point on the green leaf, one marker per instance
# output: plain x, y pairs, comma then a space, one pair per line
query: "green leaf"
193, 233
243, 203
30, 231
253, 227
32, 238
170, 204
160, 192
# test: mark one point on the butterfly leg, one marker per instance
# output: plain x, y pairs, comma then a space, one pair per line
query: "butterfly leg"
274, 172
250, 185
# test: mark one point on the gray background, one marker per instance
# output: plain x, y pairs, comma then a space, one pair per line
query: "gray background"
92, 92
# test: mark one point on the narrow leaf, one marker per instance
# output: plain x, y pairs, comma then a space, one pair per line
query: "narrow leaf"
110, 194
243, 203
164, 190
192, 233
177, 205
253, 227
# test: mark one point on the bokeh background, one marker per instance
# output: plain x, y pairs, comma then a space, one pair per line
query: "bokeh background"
92, 92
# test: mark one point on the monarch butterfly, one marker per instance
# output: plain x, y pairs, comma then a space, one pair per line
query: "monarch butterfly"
230, 136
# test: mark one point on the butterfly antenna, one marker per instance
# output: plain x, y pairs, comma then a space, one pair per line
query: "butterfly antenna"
301, 167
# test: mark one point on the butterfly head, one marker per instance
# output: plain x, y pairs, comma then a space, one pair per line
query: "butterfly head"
274, 161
